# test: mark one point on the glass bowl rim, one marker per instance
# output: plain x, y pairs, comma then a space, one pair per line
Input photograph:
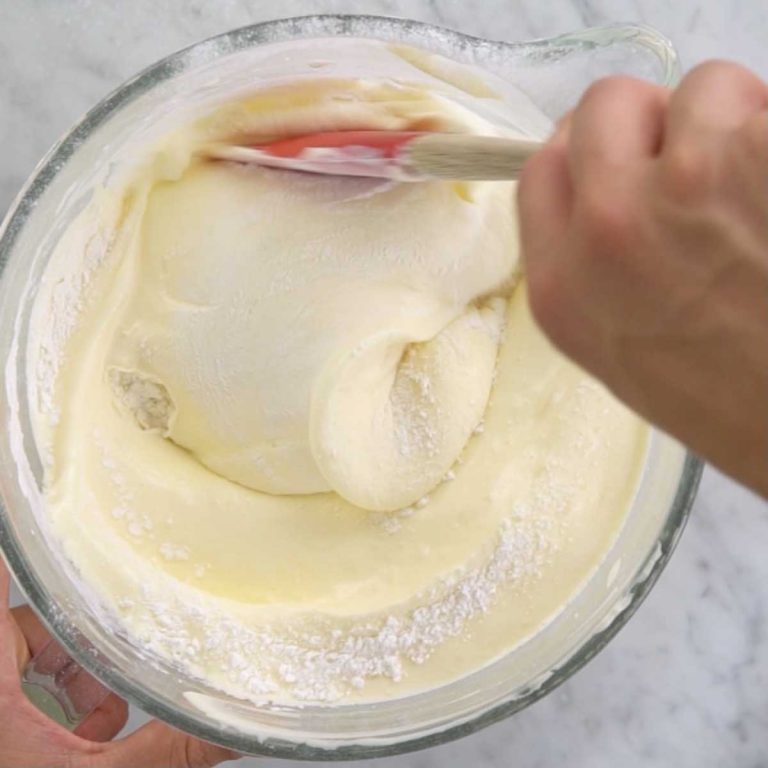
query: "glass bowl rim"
278, 31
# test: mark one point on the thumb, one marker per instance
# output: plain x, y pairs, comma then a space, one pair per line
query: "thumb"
157, 745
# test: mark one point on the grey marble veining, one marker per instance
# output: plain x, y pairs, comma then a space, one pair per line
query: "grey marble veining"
686, 682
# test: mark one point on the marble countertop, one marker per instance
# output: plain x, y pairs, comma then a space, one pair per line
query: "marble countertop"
686, 682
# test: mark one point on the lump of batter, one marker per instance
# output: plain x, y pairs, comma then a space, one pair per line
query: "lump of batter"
301, 334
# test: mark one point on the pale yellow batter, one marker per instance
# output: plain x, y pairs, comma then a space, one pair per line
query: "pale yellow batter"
306, 440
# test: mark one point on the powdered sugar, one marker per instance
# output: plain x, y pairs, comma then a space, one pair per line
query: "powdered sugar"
62, 299
413, 406
322, 660
137, 524
173, 552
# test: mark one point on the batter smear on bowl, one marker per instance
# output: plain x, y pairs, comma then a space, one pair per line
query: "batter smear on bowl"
303, 437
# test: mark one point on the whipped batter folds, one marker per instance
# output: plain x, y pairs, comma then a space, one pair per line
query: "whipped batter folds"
306, 440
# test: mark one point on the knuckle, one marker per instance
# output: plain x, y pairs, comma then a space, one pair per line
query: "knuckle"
708, 68
720, 75
716, 69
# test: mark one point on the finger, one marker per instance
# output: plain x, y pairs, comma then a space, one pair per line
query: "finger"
544, 205
544, 202
106, 721
157, 745
21, 650
31, 636
31, 627
562, 133
617, 125
544, 187
713, 99
544, 191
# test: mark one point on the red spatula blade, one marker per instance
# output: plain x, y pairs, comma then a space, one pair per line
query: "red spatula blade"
376, 154
379, 143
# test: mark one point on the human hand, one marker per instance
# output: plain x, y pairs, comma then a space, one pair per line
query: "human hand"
644, 228
28, 739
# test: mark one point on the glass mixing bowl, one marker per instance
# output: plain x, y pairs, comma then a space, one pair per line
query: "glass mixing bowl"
553, 73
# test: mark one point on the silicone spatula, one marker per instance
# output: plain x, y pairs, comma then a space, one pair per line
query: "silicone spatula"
400, 155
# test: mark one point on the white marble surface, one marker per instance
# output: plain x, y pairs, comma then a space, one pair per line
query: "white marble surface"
686, 682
